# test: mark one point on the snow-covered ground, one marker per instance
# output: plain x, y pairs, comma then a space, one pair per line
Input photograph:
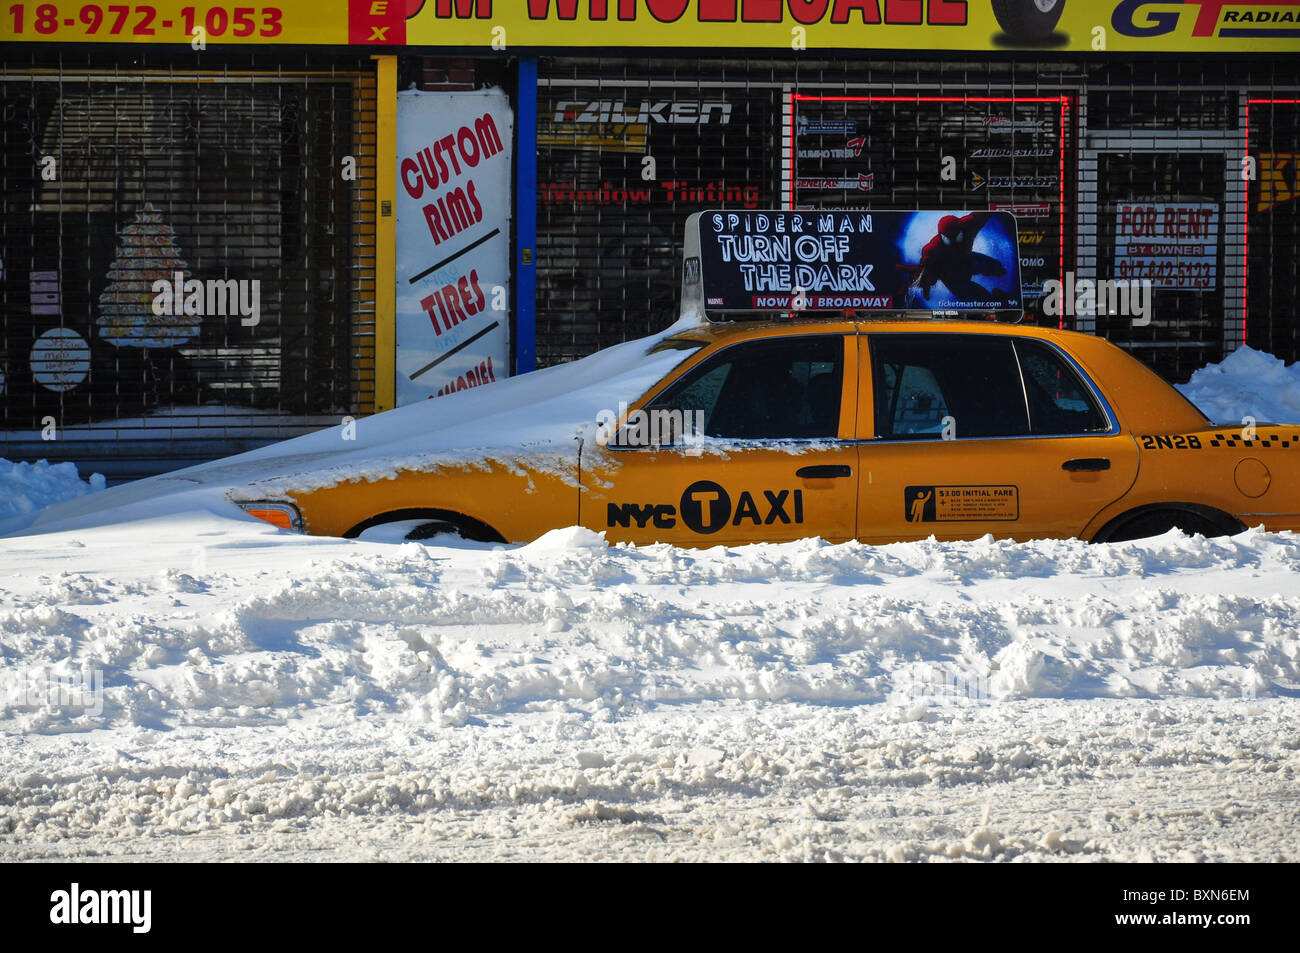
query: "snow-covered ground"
199, 686
267, 695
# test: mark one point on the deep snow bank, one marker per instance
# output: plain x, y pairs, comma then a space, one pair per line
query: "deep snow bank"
216, 623
28, 487
1247, 383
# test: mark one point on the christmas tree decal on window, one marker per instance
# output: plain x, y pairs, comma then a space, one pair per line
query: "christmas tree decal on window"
148, 253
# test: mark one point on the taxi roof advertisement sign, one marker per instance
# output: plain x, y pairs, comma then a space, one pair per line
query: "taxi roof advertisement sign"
859, 260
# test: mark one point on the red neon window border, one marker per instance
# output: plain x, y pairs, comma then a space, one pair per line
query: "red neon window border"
1063, 100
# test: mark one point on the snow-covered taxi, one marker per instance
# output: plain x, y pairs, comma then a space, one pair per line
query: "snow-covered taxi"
879, 431
737, 431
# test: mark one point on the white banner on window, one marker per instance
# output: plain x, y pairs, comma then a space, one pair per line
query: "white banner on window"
1173, 244
453, 241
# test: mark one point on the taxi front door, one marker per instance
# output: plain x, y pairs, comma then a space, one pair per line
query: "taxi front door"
753, 444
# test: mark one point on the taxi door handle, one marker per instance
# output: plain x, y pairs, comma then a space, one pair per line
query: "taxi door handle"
1086, 463
825, 471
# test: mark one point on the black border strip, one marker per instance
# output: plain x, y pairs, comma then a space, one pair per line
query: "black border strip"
463, 344
452, 257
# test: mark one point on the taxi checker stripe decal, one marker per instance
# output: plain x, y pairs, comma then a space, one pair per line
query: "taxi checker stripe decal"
1272, 440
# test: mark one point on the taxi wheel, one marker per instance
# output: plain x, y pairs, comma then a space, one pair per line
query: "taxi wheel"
1158, 520
427, 523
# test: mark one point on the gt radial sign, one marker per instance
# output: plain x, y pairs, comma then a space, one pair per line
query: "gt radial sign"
453, 241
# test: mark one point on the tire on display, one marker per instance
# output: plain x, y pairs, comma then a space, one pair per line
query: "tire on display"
1028, 20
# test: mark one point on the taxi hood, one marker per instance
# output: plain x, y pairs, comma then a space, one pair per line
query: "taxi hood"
537, 418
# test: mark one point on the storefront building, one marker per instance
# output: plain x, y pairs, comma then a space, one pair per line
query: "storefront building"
357, 205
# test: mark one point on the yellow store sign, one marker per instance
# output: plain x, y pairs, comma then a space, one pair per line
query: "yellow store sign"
1046, 25
1211, 26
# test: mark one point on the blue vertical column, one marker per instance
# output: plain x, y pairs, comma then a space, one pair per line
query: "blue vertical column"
526, 218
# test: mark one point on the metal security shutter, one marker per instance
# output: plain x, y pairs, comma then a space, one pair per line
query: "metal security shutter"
232, 174
1273, 224
1065, 143
970, 141
727, 134
626, 150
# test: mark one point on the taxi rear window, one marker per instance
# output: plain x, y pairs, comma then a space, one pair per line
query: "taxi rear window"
927, 383
977, 385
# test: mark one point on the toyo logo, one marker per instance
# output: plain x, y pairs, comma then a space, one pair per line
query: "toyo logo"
1213, 18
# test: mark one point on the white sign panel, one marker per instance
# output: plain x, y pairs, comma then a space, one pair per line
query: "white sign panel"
1173, 244
453, 241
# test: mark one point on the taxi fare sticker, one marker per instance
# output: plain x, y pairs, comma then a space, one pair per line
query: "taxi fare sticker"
939, 504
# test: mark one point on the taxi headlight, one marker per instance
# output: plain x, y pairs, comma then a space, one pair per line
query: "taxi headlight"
283, 515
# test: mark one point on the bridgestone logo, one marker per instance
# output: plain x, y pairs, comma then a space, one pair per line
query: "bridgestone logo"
1044, 153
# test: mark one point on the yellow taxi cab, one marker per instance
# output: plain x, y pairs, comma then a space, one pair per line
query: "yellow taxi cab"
881, 431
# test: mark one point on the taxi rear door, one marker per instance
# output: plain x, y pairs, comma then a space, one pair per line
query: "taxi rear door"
968, 434
753, 444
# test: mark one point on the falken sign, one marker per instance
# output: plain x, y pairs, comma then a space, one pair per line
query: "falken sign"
851, 260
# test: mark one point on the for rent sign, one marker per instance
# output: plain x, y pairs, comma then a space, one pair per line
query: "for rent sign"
453, 241
1172, 244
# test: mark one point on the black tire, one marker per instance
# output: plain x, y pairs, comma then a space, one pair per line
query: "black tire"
1156, 521
437, 521
1025, 20
432, 529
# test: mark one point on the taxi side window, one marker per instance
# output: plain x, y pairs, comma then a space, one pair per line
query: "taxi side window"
784, 388
921, 379
1059, 403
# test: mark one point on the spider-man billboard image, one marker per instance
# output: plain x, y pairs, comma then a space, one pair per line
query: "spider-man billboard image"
964, 262
857, 260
